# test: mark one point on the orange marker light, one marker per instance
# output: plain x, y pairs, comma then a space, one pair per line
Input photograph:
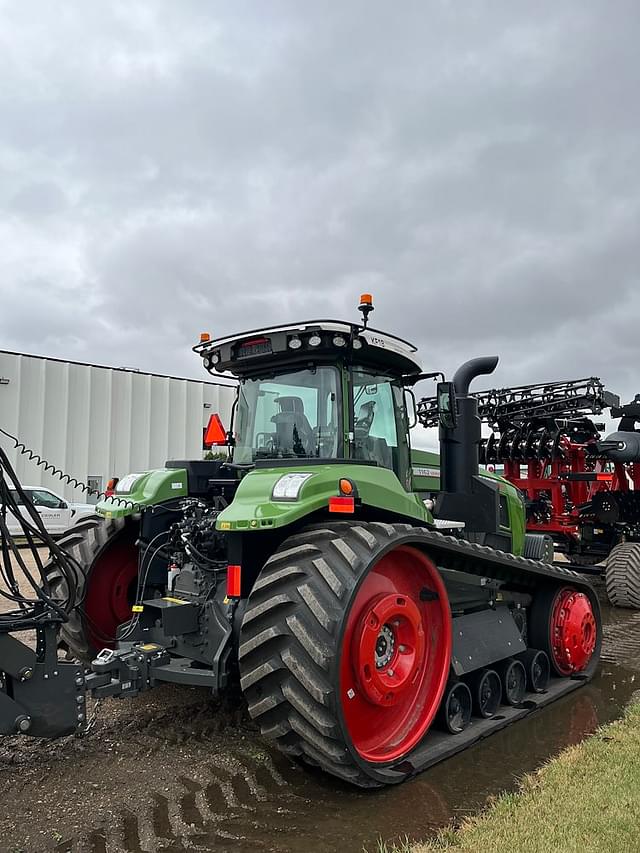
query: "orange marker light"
342, 504
234, 581
366, 299
345, 486
216, 433
204, 337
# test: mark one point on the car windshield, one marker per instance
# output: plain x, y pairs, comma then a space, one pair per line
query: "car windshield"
291, 415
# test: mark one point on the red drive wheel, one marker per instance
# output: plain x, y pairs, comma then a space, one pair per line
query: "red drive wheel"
111, 591
395, 655
564, 624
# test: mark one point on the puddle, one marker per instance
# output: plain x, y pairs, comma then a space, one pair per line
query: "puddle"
254, 799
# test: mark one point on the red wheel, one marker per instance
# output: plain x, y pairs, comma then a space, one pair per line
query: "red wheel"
111, 589
572, 631
395, 655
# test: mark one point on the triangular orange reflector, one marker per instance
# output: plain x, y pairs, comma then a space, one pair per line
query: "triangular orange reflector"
216, 433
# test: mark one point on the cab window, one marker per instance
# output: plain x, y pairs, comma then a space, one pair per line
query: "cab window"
374, 419
291, 415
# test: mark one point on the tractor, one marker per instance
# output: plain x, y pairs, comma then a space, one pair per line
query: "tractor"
380, 614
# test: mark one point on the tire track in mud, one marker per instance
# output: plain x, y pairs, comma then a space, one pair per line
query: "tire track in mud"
237, 801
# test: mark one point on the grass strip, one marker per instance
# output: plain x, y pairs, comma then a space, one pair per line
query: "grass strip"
587, 800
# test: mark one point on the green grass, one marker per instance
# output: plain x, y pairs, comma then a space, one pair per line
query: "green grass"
587, 800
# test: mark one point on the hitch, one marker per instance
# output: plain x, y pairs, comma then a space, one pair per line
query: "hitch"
126, 671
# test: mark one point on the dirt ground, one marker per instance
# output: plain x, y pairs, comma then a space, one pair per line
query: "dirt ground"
174, 770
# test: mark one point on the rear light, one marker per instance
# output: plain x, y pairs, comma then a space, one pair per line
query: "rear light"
604, 478
234, 581
342, 504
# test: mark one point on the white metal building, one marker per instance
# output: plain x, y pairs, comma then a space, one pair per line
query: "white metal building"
98, 422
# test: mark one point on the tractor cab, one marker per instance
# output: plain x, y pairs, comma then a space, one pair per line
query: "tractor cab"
317, 392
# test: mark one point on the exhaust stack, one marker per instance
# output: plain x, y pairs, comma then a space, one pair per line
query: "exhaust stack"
459, 447
464, 495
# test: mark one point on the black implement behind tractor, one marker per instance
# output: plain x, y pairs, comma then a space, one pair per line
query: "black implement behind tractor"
373, 628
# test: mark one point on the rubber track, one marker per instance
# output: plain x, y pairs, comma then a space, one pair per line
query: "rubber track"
622, 575
84, 542
290, 634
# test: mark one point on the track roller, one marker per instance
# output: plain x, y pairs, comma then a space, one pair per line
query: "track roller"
454, 713
538, 669
514, 680
486, 692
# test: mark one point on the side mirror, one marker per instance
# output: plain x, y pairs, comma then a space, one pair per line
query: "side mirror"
447, 413
63, 505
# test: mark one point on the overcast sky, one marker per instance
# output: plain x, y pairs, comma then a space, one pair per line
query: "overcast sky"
172, 167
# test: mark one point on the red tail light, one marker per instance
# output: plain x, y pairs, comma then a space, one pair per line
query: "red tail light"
342, 504
234, 581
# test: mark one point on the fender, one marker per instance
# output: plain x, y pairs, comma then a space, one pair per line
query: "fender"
255, 508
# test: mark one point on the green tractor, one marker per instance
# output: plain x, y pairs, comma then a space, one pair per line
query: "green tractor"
379, 615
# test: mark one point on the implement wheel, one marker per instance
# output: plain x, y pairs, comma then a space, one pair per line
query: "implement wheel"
107, 559
345, 648
623, 575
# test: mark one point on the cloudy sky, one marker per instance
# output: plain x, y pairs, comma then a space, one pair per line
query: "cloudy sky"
169, 167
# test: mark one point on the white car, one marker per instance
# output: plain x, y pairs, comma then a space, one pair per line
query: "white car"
57, 514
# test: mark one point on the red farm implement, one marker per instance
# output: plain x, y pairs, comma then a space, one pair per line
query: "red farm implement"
580, 489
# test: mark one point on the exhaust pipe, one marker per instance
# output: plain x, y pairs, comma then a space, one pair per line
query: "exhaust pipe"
467, 372
460, 446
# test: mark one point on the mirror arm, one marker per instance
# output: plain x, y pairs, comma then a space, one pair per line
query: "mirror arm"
410, 381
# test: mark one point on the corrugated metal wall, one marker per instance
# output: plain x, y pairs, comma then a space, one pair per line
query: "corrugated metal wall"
99, 421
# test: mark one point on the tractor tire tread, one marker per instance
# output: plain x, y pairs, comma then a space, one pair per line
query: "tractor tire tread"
286, 654
622, 575
83, 543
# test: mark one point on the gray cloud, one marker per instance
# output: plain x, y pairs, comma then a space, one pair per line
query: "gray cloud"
167, 168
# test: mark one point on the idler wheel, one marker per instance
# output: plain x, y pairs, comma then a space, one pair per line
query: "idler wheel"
538, 669
514, 680
455, 711
486, 692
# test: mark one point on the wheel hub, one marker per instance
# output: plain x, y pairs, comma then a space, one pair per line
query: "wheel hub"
573, 631
388, 649
384, 646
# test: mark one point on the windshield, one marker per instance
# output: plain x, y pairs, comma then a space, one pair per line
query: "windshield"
292, 415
